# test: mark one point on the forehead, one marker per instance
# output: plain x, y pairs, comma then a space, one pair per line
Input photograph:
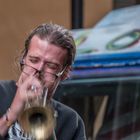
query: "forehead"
43, 50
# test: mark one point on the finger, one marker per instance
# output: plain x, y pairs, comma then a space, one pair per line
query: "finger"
24, 88
23, 77
35, 89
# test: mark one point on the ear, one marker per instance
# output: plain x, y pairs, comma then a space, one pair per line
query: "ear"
66, 73
22, 61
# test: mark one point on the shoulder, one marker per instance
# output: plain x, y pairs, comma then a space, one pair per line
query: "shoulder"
4, 83
7, 87
64, 110
7, 93
69, 123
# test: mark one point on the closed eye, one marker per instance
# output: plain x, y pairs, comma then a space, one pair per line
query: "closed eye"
33, 59
52, 66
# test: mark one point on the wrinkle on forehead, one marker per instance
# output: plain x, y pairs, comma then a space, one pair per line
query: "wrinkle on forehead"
45, 51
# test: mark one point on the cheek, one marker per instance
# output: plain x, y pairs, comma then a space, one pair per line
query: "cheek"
48, 84
51, 87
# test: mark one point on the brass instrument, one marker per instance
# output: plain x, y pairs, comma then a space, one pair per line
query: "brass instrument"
38, 119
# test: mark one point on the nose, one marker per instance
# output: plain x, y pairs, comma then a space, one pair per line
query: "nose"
40, 67
40, 72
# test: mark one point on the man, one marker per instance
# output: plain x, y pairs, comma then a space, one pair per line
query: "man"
45, 61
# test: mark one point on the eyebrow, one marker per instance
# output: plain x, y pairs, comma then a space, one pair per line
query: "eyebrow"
34, 57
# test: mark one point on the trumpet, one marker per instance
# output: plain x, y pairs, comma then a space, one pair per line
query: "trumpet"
38, 120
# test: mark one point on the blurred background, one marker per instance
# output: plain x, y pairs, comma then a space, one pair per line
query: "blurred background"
99, 100
19, 17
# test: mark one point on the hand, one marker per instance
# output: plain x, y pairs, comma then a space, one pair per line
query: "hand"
27, 91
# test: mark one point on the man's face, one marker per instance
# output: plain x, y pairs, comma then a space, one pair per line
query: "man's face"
48, 58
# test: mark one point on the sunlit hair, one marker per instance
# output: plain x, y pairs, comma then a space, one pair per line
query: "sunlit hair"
56, 35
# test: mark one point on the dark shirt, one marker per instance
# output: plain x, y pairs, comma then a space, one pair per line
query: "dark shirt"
69, 124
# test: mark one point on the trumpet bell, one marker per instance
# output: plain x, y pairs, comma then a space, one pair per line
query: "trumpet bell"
38, 122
